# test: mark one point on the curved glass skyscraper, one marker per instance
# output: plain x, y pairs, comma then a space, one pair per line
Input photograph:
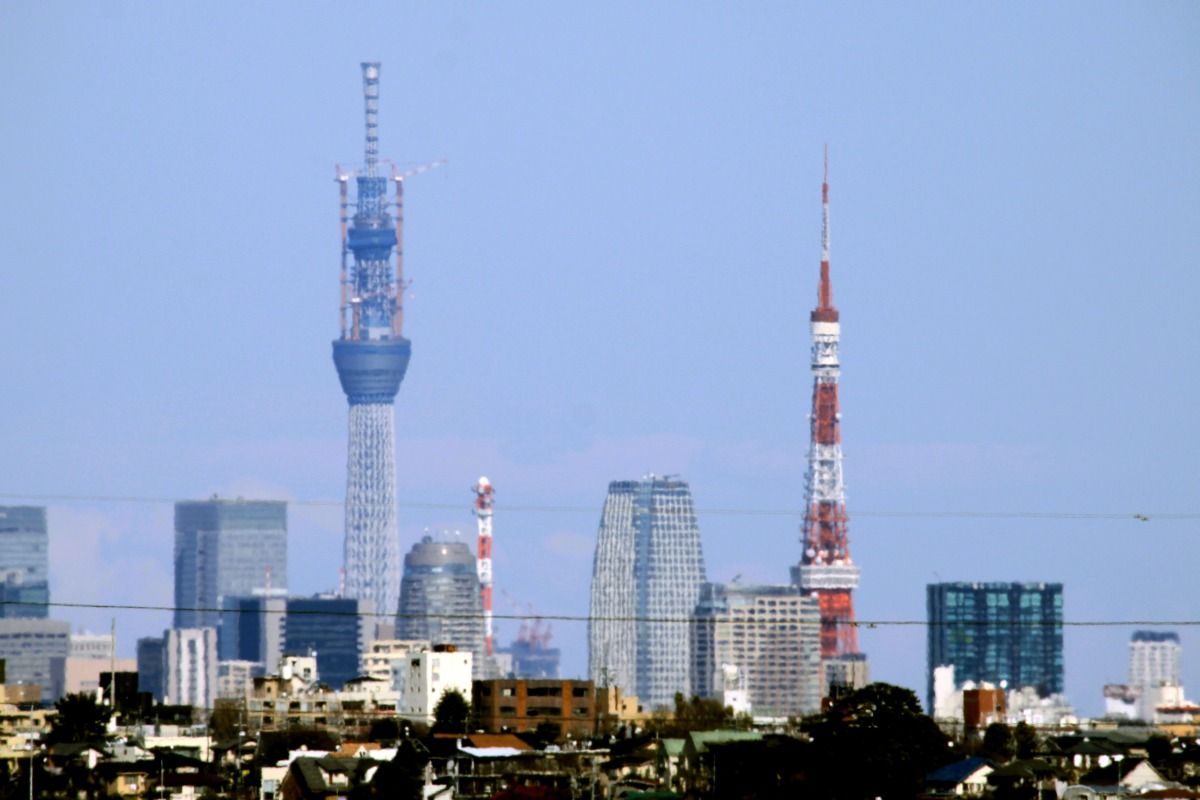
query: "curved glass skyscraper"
439, 598
646, 578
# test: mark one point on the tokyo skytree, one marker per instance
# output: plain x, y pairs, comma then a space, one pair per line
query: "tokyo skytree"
371, 357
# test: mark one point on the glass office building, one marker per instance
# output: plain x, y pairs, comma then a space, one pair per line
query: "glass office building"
646, 577
24, 562
997, 632
337, 630
440, 601
226, 548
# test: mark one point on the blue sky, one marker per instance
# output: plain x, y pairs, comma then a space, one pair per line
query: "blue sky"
612, 276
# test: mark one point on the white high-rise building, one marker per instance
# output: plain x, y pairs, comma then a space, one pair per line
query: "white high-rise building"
1154, 658
190, 666
646, 577
768, 638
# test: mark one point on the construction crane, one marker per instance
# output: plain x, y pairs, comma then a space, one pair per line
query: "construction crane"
401, 284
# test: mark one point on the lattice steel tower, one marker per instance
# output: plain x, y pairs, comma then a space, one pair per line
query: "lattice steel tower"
371, 357
826, 569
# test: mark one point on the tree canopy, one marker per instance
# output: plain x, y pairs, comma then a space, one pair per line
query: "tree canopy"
875, 742
79, 719
451, 713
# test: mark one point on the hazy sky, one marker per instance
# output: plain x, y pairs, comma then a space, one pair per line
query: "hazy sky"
612, 276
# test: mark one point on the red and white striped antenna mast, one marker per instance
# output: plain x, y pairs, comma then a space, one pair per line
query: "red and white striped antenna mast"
484, 498
826, 569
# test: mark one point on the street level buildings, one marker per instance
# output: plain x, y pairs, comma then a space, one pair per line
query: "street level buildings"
24, 562
646, 576
1008, 634
765, 641
226, 548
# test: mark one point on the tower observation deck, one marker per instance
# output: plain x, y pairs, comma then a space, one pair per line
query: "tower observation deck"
371, 357
826, 569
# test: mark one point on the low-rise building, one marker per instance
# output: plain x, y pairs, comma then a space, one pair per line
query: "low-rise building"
523, 705
425, 676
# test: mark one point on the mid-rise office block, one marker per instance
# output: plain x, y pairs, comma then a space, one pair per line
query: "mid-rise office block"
226, 548
440, 599
770, 635
35, 652
251, 629
524, 705
994, 632
190, 666
150, 666
337, 630
24, 562
646, 575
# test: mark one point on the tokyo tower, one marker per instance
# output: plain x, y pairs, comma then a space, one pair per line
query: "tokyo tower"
826, 569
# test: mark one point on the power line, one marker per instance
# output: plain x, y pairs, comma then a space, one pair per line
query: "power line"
1139, 516
877, 623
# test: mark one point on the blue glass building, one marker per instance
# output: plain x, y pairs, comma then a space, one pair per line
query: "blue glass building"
997, 632
24, 562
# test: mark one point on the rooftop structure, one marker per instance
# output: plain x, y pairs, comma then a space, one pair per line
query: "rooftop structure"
646, 575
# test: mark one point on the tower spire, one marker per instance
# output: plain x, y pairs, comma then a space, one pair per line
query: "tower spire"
370, 70
825, 311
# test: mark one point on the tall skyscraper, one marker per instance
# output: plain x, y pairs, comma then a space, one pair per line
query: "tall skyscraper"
768, 636
646, 576
1154, 659
225, 548
440, 599
337, 630
826, 569
997, 632
24, 562
371, 357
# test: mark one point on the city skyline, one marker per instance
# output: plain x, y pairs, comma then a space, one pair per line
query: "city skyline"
1015, 236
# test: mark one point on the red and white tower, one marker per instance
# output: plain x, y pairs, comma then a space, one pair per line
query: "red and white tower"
484, 497
826, 569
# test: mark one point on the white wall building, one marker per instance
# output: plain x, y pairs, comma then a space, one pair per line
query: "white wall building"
190, 666
384, 655
425, 676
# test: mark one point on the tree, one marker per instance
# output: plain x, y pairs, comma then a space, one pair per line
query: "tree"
700, 714
225, 722
451, 713
998, 744
1026, 740
402, 778
384, 729
874, 742
79, 719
